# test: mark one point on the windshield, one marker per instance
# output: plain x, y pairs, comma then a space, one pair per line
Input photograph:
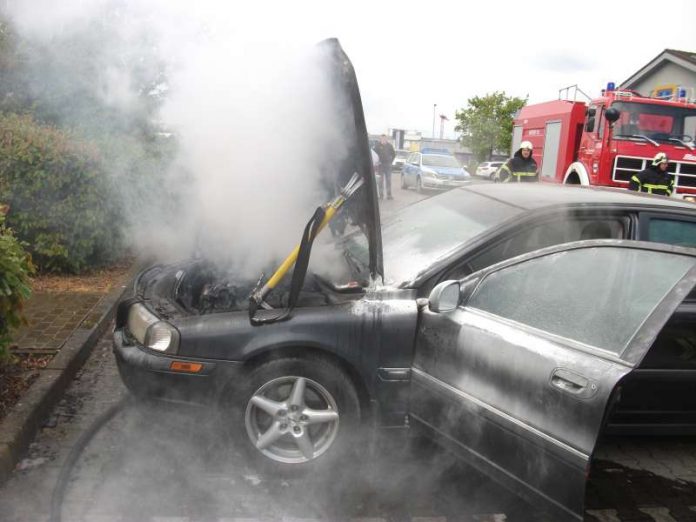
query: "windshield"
425, 232
439, 161
657, 122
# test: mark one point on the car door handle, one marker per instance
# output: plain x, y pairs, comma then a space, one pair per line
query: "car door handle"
573, 383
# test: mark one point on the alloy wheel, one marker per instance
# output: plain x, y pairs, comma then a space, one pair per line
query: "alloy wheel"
292, 419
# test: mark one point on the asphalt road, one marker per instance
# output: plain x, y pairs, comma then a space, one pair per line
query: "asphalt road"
155, 462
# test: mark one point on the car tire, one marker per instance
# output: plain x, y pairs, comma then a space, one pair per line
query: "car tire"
403, 181
294, 414
419, 185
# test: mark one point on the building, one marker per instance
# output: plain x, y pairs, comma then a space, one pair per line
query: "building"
414, 141
665, 75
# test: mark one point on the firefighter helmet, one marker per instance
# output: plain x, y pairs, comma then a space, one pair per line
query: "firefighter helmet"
660, 157
526, 145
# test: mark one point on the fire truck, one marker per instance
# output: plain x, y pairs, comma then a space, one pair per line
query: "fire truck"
607, 140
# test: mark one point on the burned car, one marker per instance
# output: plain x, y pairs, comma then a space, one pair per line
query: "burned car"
501, 320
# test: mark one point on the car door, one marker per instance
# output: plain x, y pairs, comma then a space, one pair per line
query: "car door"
518, 374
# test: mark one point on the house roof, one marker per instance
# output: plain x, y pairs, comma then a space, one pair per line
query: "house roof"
686, 59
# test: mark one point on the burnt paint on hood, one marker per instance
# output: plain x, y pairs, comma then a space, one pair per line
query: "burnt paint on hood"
362, 208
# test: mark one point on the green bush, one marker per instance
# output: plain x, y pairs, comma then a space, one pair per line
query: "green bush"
15, 269
58, 194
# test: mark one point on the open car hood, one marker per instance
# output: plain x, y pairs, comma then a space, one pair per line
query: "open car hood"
361, 209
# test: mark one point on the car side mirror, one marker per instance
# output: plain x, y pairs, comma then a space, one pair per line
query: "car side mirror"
612, 114
444, 297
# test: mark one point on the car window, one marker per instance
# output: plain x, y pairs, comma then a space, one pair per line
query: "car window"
541, 236
672, 231
439, 161
613, 290
675, 346
420, 234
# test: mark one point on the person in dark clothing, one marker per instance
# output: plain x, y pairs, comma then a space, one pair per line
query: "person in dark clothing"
521, 167
655, 179
386, 155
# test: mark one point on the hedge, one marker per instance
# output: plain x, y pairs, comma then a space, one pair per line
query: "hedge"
58, 193
15, 269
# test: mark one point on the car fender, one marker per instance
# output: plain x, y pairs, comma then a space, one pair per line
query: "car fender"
578, 168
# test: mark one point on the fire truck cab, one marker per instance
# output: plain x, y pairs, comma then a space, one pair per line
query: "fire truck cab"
610, 138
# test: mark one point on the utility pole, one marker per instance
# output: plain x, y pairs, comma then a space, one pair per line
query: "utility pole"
434, 107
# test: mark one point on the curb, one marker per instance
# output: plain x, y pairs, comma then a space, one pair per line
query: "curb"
22, 423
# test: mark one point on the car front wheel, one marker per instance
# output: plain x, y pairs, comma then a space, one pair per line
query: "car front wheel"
419, 185
294, 413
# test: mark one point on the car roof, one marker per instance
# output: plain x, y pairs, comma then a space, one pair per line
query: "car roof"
531, 196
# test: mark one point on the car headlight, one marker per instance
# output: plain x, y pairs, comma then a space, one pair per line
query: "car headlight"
429, 174
162, 337
150, 331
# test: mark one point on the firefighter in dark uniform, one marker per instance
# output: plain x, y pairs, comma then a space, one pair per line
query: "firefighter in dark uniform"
655, 179
521, 167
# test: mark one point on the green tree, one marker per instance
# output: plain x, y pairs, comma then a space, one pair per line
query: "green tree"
486, 123
59, 196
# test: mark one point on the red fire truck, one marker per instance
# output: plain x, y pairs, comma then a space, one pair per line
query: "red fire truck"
610, 138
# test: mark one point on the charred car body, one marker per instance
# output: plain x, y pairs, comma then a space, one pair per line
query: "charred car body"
515, 388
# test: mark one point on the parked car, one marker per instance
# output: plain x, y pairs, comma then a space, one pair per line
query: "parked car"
474, 316
432, 171
487, 169
399, 159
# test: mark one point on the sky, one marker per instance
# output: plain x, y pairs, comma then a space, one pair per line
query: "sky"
411, 55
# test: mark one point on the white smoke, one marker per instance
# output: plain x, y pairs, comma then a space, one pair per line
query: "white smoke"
254, 120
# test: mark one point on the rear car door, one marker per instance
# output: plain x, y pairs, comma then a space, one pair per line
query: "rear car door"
518, 377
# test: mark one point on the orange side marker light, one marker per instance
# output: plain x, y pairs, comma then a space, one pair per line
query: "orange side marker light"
185, 366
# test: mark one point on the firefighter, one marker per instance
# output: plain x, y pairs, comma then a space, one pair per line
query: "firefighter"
655, 179
521, 167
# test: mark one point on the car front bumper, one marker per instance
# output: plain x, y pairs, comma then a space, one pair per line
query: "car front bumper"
149, 374
441, 184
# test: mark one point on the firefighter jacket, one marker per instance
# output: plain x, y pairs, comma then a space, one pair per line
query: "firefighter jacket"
518, 169
652, 181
